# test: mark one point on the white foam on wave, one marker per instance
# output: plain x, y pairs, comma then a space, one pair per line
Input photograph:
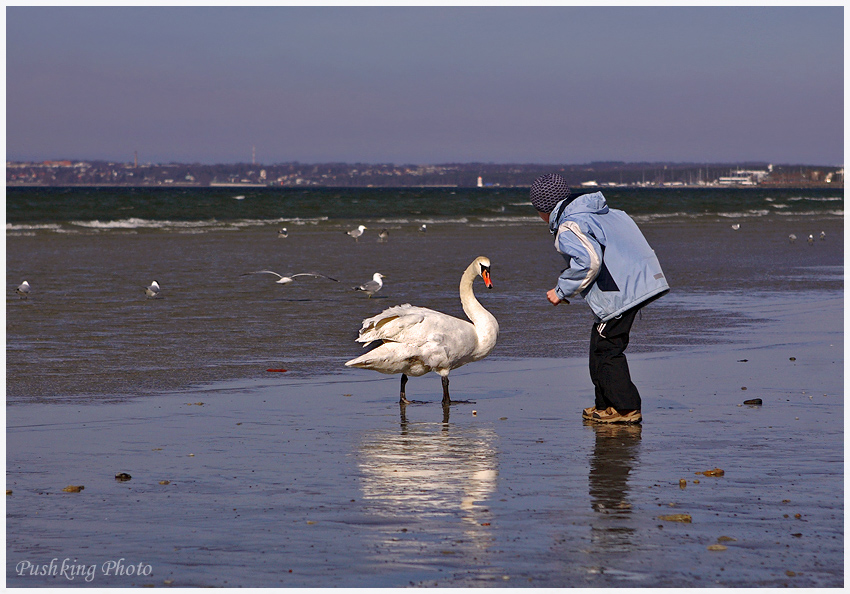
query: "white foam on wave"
135, 223
419, 221
196, 226
817, 198
746, 213
34, 227
813, 213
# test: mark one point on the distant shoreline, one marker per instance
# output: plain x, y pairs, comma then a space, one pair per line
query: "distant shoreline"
401, 187
451, 175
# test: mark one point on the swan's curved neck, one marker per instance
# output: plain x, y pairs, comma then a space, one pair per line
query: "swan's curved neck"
485, 323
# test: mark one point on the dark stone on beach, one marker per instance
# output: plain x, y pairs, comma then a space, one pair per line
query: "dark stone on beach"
73, 488
742, 360
753, 402
792, 358
122, 476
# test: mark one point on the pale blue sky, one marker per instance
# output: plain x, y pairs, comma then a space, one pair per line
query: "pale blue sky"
426, 85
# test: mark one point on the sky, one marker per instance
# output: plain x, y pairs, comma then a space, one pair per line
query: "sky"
426, 85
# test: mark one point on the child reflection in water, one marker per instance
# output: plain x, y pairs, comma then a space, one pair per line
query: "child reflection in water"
614, 454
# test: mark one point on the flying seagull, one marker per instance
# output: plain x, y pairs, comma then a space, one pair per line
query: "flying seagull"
285, 280
373, 286
356, 233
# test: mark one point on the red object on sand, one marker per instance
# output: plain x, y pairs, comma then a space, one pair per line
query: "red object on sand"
280, 370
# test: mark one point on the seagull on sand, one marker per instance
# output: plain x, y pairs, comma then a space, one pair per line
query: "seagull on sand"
736, 226
152, 291
373, 286
792, 238
423, 228
283, 233
285, 280
415, 340
382, 236
356, 233
822, 235
811, 239
23, 290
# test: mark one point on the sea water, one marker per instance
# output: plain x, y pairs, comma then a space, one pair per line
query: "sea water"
88, 330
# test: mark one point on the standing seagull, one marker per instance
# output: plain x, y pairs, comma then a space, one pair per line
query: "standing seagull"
356, 233
373, 286
285, 280
415, 340
382, 236
423, 228
792, 238
152, 291
23, 290
811, 239
822, 235
283, 233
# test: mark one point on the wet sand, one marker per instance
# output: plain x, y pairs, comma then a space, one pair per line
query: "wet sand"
324, 481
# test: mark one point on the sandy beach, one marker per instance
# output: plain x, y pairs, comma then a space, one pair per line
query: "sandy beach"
324, 481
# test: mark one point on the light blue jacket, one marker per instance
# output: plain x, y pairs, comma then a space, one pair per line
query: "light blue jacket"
610, 263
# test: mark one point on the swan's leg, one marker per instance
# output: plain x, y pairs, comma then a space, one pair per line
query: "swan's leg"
401, 398
446, 399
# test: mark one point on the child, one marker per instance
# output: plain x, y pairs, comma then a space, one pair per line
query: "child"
611, 265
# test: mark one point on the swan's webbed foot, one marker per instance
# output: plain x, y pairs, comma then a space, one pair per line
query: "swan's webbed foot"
402, 399
447, 401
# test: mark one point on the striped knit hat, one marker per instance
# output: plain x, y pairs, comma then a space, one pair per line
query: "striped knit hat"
547, 191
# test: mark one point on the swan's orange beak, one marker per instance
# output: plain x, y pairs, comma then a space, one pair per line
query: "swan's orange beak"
485, 274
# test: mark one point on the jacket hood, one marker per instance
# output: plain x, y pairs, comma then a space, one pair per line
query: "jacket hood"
593, 203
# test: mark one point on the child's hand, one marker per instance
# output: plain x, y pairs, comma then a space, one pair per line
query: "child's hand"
553, 297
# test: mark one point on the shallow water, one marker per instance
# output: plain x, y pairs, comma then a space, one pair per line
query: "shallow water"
88, 330
327, 482
317, 470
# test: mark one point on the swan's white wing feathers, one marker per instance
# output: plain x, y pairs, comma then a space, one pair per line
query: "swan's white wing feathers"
416, 340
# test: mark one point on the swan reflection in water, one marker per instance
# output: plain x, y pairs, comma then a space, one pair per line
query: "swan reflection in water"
615, 453
430, 484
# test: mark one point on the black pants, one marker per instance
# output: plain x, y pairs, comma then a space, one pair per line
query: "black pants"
609, 369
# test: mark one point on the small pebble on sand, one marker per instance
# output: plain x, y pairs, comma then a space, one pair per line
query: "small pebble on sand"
717, 547
686, 518
73, 488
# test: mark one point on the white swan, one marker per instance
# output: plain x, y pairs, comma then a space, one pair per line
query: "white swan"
416, 340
